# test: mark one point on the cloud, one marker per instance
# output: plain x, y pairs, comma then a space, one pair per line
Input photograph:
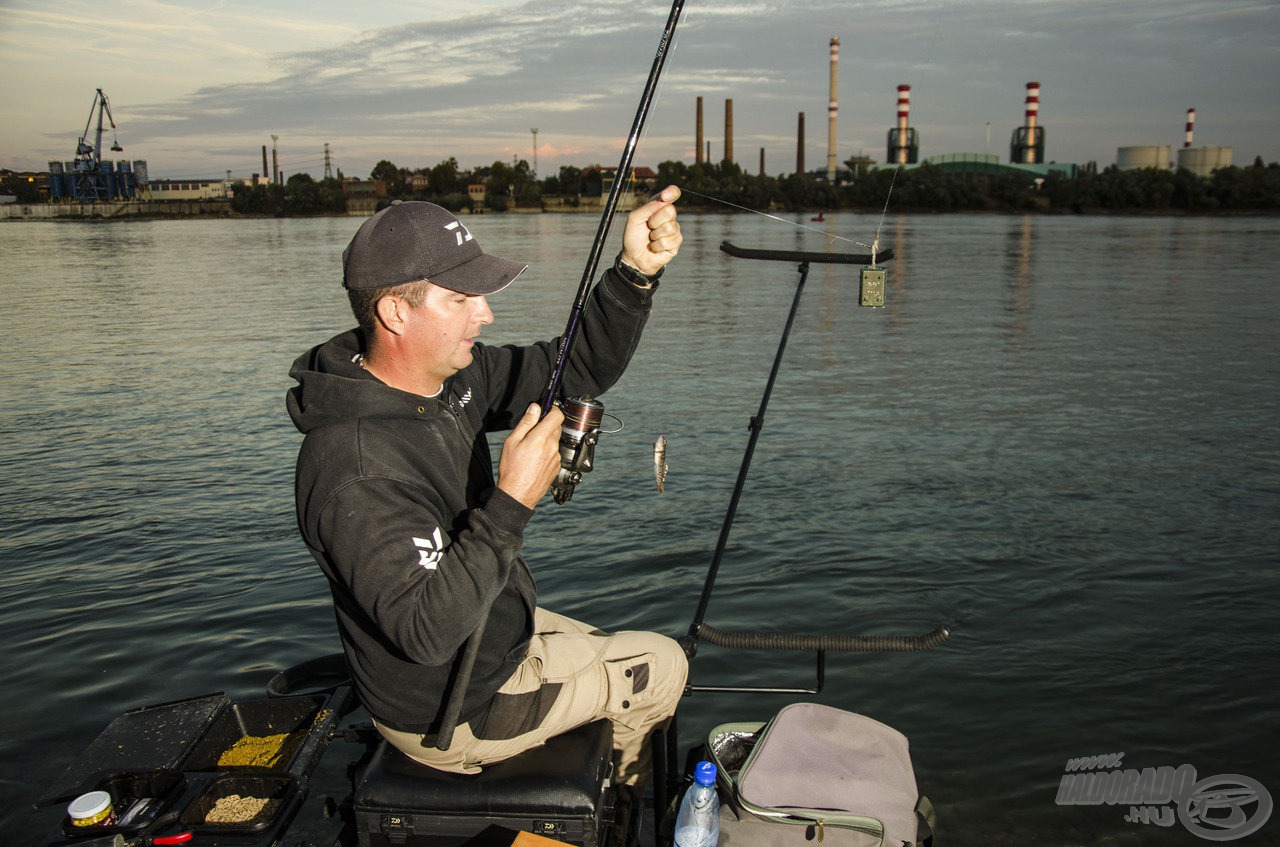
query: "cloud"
472, 84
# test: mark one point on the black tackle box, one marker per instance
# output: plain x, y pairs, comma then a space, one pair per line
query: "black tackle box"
561, 790
171, 763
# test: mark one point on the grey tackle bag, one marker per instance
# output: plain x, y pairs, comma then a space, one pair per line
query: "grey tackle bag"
817, 774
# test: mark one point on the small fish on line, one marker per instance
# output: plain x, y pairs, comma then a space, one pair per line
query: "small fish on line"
660, 461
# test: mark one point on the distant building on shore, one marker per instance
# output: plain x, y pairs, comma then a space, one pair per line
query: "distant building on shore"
1157, 156
190, 189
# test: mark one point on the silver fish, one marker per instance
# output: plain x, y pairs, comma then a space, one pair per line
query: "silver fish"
660, 461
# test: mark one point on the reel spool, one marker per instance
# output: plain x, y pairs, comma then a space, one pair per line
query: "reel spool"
579, 435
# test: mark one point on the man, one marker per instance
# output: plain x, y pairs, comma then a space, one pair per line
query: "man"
398, 504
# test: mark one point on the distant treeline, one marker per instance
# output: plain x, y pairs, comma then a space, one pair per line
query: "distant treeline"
1254, 188
300, 195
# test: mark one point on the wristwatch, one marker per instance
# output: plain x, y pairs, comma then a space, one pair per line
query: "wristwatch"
634, 276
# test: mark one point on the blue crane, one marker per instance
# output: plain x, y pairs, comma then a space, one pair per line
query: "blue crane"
90, 180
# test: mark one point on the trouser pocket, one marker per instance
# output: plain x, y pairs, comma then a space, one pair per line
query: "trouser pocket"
630, 685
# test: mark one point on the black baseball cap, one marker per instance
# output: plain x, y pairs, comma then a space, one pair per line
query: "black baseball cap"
411, 241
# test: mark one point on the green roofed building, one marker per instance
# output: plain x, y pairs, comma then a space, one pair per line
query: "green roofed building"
986, 166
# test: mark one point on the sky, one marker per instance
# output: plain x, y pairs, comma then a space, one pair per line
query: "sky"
198, 86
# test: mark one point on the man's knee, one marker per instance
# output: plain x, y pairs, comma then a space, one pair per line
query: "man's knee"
675, 664
656, 671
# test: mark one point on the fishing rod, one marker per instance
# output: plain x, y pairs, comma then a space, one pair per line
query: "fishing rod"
583, 414
581, 429
871, 294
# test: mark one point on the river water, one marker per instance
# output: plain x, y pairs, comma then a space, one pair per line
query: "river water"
1060, 438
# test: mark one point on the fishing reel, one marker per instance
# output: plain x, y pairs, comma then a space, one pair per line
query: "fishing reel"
579, 435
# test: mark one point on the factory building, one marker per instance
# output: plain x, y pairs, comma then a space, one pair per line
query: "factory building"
1026, 147
987, 166
191, 189
903, 146
85, 179
1201, 161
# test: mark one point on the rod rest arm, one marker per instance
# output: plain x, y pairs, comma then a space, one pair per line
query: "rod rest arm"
804, 256
838, 643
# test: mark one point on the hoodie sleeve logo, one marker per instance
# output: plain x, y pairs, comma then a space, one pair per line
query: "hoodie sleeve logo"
430, 550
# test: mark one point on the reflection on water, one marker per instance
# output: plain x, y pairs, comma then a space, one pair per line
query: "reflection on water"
1021, 279
1059, 437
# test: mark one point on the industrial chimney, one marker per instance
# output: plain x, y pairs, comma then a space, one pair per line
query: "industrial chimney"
1027, 145
728, 130
1201, 161
831, 112
800, 145
697, 149
903, 147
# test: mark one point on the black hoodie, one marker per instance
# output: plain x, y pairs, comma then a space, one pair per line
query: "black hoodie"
398, 504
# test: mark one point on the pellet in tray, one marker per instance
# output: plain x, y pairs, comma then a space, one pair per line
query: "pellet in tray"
235, 809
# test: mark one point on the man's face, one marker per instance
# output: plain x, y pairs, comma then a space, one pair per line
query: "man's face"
443, 328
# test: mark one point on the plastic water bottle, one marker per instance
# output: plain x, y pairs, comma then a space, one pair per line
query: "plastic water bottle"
698, 822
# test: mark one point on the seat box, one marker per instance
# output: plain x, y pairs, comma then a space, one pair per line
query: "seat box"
561, 790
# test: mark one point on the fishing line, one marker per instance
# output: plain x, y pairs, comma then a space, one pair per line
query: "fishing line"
675, 44
774, 217
874, 246
672, 50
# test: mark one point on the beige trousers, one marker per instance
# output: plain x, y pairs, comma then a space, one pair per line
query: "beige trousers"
572, 675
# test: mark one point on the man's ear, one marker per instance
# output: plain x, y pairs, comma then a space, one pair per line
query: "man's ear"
391, 313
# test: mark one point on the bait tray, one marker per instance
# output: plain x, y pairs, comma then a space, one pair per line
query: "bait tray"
280, 790
290, 716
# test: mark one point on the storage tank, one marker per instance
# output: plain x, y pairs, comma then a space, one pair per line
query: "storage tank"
57, 184
1203, 161
55, 167
1144, 156
140, 171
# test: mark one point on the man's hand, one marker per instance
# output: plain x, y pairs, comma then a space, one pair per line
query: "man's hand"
531, 456
652, 237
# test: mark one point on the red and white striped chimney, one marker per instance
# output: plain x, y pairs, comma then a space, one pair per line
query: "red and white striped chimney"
832, 107
1191, 127
904, 113
1033, 112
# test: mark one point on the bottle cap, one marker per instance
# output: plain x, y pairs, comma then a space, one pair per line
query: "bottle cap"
89, 805
705, 773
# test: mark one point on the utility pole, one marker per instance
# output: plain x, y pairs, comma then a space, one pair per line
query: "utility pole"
328, 165
535, 153
275, 161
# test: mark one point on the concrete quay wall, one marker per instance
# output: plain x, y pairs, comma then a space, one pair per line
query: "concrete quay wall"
80, 211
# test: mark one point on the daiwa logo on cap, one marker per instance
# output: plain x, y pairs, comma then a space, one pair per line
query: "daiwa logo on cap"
430, 550
458, 225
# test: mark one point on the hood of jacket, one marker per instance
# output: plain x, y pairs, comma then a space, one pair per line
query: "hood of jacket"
332, 387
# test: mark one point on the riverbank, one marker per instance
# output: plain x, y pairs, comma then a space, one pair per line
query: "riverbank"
222, 210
